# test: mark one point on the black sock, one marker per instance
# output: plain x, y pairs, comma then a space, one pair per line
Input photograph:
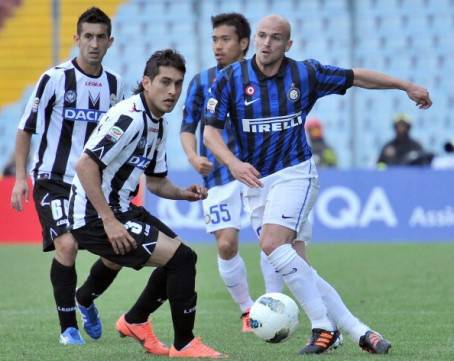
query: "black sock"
99, 279
181, 293
64, 280
151, 298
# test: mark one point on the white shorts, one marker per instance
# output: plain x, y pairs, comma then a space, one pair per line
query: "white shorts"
223, 206
286, 198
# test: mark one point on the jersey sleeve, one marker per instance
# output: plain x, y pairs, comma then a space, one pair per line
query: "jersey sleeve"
217, 105
158, 165
110, 138
330, 79
121, 95
193, 106
39, 105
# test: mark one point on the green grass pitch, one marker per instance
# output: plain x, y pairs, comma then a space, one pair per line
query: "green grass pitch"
405, 291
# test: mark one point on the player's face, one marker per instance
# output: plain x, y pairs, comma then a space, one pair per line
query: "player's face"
271, 42
93, 43
163, 91
227, 47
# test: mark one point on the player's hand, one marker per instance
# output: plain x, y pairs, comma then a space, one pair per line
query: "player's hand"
194, 193
201, 164
245, 173
20, 192
420, 96
119, 237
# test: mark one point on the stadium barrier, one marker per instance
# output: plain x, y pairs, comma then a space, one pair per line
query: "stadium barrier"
402, 204
410, 205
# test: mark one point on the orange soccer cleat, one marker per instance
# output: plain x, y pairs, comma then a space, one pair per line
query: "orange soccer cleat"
246, 321
142, 332
196, 349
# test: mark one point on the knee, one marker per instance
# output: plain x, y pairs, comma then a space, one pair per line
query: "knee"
183, 257
227, 247
268, 245
66, 250
111, 265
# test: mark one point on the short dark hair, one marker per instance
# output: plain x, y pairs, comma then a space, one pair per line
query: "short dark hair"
94, 15
166, 57
238, 21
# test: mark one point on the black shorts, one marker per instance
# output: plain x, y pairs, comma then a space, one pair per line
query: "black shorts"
141, 225
51, 201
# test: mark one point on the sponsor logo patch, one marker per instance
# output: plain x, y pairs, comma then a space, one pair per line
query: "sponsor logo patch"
272, 124
35, 105
211, 105
293, 94
70, 96
249, 90
84, 115
115, 134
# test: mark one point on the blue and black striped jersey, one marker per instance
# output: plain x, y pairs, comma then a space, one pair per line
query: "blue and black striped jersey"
193, 114
268, 113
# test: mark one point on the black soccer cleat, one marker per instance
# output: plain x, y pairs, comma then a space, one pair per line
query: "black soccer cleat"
321, 341
373, 342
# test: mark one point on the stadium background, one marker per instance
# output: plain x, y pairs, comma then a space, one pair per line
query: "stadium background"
411, 39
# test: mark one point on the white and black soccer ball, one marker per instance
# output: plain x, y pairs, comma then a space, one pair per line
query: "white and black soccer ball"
274, 317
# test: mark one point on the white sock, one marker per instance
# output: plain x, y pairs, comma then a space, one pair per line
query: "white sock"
273, 280
233, 273
339, 312
300, 279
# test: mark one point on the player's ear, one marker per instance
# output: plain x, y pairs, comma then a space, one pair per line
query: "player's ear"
146, 82
289, 45
76, 39
244, 43
111, 40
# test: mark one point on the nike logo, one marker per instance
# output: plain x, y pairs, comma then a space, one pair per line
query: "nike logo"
247, 102
286, 217
291, 272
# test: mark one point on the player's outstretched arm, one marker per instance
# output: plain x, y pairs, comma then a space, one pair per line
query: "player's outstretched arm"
369, 79
90, 177
20, 190
163, 187
242, 171
201, 164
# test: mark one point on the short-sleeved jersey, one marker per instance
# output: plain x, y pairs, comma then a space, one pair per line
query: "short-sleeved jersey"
268, 113
193, 115
128, 141
63, 110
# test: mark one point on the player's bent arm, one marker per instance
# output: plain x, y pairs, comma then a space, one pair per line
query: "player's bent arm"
242, 171
163, 187
189, 144
213, 140
90, 177
369, 79
201, 164
23, 140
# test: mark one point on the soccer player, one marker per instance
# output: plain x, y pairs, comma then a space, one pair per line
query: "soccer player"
224, 204
268, 98
64, 109
129, 141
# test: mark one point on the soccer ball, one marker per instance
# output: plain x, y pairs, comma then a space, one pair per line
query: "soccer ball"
274, 317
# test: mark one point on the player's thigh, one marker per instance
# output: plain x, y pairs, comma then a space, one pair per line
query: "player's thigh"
222, 208
164, 250
289, 202
146, 230
51, 202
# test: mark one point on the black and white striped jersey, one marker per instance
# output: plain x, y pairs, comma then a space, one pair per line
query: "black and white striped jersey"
128, 141
63, 110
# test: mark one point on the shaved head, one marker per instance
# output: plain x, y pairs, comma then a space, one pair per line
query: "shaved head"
277, 22
272, 41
